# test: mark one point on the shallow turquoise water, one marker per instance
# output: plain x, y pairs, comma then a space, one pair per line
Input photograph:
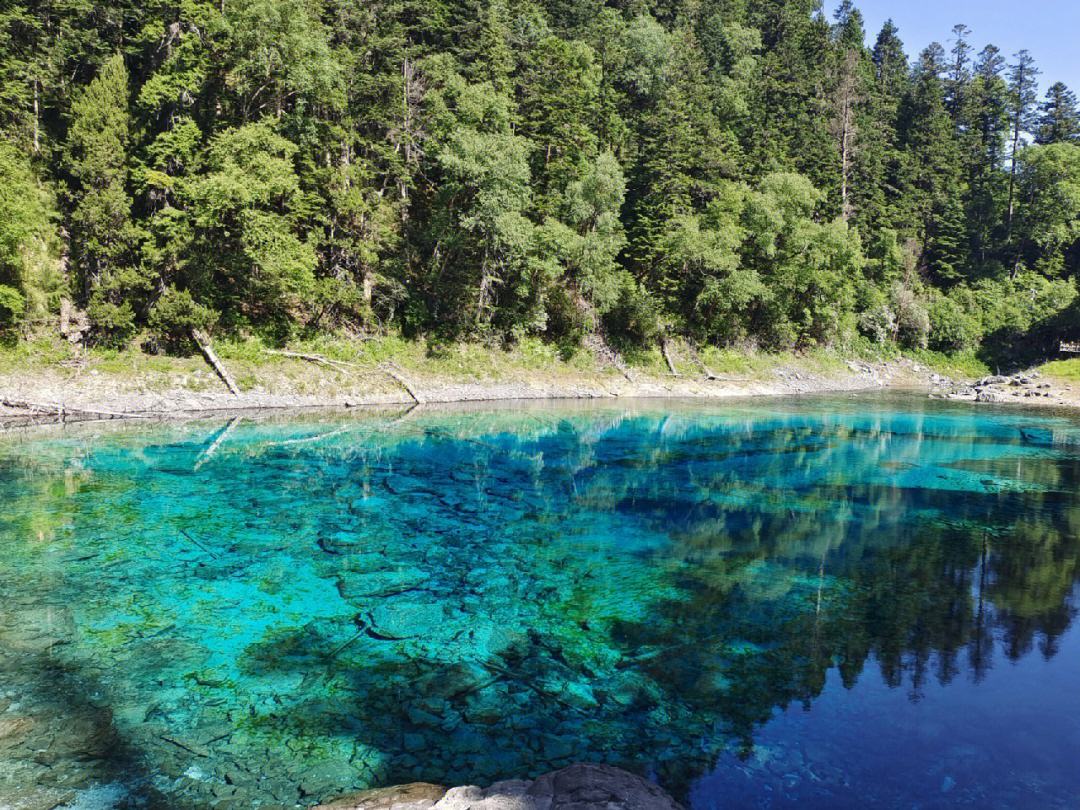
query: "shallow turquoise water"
855, 601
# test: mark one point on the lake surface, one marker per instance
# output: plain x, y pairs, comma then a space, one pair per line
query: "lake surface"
863, 601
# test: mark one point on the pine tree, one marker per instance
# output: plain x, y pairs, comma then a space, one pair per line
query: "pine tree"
1059, 118
959, 74
987, 112
878, 158
932, 177
890, 63
686, 153
104, 237
851, 85
790, 100
558, 95
1022, 88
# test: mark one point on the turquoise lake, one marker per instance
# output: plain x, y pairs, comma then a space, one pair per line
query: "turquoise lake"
849, 601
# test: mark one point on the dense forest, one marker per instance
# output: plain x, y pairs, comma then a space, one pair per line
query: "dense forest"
732, 172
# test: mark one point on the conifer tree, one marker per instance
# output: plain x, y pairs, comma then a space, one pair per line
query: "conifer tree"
1059, 117
1022, 91
931, 169
104, 237
987, 113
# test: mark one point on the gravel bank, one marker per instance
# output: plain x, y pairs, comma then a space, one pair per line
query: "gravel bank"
51, 396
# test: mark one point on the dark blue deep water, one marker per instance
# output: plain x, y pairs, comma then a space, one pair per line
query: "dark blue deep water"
817, 603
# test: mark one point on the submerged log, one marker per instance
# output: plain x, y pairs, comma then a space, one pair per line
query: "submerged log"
203, 341
222, 435
187, 535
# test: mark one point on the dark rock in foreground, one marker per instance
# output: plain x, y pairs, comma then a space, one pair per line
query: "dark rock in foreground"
579, 787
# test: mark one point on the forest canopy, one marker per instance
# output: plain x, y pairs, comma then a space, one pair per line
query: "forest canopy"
733, 172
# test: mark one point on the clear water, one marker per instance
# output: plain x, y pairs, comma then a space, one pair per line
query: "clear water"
841, 602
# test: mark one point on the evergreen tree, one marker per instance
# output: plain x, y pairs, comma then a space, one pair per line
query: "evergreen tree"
959, 74
104, 237
559, 90
931, 170
1059, 117
890, 63
1022, 89
247, 259
1048, 225
987, 112
878, 157
851, 95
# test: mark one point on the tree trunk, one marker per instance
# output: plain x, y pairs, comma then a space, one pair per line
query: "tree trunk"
666, 349
392, 372
845, 166
1012, 192
37, 121
847, 96
203, 342
367, 286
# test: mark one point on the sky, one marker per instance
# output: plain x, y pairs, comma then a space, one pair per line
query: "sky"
1047, 28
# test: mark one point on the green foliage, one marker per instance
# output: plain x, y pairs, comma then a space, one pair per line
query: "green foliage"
1050, 182
249, 260
633, 318
12, 305
281, 56
954, 325
173, 318
1059, 116
728, 173
29, 278
1063, 370
593, 236
104, 237
115, 323
810, 268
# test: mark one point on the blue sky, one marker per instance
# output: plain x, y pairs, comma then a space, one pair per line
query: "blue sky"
1050, 29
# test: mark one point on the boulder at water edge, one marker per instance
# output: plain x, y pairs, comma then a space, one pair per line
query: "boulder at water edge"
579, 787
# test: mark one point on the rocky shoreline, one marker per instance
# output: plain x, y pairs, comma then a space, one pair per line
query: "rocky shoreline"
578, 787
1028, 388
36, 399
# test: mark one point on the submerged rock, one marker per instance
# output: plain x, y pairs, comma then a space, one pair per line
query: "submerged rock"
414, 796
578, 787
598, 787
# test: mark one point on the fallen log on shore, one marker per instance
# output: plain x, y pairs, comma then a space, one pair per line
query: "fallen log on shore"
393, 372
63, 412
202, 340
318, 359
